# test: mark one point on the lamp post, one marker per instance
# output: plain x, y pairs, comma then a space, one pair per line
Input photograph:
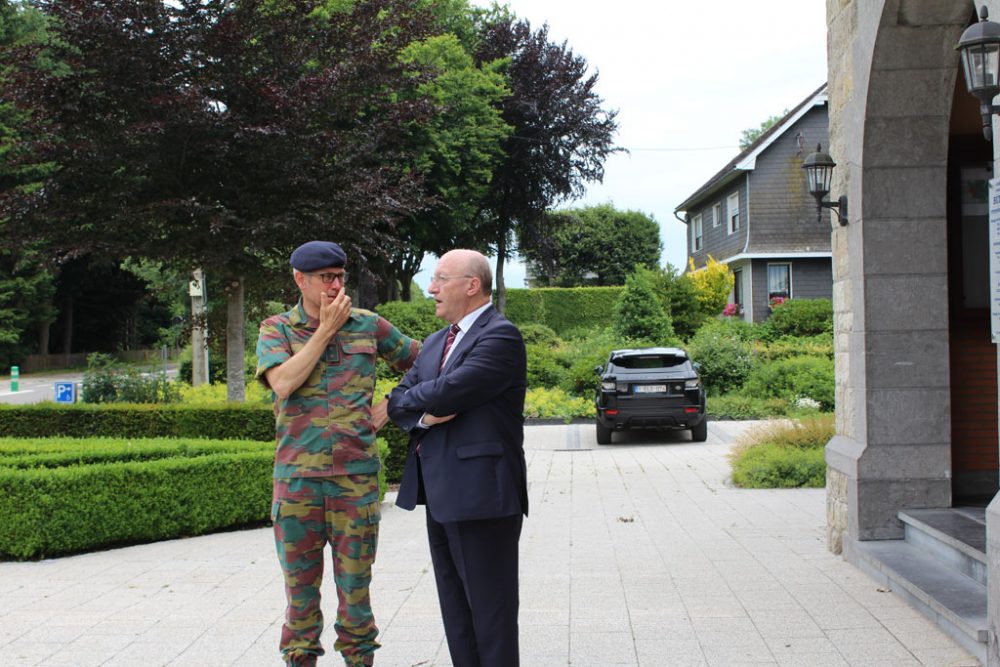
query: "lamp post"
980, 50
819, 172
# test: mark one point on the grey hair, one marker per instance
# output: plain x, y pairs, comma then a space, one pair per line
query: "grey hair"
479, 267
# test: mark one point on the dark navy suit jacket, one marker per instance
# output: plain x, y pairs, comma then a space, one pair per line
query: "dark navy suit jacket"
472, 466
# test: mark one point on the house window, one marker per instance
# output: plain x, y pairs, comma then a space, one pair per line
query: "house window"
717, 214
696, 232
733, 212
738, 288
779, 282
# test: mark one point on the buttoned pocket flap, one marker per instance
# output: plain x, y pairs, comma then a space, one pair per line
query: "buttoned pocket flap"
363, 346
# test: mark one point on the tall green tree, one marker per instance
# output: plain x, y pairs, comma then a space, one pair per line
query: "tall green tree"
595, 245
638, 313
752, 134
455, 150
562, 134
26, 270
679, 298
222, 134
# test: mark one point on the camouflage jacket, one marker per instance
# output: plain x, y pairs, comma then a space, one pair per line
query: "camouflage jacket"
324, 427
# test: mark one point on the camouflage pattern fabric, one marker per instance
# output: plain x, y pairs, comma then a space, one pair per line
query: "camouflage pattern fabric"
308, 513
325, 486
324, 428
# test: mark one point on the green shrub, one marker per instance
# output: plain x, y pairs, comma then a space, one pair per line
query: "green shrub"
800, 317
57, 510
794, 346
583, 354
774, 467
725, 354
680, 300
739, 406
783, 454
108, 381
795, 378
539, 334
216, 366
215, 394
230, 421
638, 312
544, 369
59, 452
562, 308
383, 453
555, 403
414, 318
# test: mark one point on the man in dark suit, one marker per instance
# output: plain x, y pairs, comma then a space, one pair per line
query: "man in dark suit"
462, 403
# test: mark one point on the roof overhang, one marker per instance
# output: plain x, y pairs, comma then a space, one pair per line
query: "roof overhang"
777, 255
747, 160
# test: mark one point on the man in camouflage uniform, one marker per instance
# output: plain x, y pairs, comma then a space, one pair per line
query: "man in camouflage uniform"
319, 360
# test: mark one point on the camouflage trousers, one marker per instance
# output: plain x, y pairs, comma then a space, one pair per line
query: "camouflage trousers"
307, 514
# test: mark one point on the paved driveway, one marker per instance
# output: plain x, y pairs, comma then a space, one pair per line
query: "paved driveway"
637, 553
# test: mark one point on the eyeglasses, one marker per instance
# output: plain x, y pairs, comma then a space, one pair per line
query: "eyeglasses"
439, 279
330, 278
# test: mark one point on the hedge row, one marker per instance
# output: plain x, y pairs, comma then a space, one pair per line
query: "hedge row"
228, 422
562, 309
59, 510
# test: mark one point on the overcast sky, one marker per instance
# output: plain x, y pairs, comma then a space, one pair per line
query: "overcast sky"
686, 78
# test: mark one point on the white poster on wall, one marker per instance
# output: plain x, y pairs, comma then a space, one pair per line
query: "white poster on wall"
995, 258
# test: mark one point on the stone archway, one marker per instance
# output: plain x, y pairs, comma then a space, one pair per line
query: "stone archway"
892, 76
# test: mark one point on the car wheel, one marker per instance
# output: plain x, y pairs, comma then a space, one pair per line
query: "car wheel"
699, 433
603, 434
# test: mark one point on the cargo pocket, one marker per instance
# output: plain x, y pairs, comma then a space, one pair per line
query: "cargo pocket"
371, 516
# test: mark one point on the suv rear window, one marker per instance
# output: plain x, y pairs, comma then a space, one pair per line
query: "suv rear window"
648, 361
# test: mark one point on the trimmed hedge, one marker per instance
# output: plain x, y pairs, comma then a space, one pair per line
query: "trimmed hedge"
124, 420
138, 420
199, 487
563, 308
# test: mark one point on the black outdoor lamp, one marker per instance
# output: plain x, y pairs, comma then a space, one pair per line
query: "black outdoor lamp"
819, 171
980, 49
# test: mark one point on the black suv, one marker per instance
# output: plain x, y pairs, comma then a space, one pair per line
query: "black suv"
653, 387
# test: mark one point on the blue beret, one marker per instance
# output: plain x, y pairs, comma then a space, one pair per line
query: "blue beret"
316, 255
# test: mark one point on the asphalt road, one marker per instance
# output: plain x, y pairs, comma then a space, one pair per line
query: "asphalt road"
39, 387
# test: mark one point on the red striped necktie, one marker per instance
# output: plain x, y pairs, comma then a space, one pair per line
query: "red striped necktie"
448, 342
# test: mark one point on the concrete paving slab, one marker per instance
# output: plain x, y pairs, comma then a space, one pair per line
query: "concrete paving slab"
639, 553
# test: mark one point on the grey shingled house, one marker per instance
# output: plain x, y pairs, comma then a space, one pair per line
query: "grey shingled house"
756, 216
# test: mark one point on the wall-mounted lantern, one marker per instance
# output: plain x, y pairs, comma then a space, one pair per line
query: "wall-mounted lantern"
980, 49
819, 172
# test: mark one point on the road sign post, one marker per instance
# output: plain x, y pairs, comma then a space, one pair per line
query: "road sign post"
65, 392
15, 378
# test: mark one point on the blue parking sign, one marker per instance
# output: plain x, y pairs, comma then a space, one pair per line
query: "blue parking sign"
65, 392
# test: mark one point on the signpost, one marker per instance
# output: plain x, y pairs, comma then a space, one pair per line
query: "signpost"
995, 258
65, 392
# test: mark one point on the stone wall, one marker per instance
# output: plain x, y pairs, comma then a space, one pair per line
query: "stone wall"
892, 72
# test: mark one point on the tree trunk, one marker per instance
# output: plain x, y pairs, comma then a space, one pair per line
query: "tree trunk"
235, 375
67, 341
406, 286
367, 289
501, 289
44, 329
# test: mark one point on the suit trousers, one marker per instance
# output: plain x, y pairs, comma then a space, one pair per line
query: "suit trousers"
475, 567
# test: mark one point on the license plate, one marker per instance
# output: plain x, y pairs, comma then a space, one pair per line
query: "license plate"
649, 388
